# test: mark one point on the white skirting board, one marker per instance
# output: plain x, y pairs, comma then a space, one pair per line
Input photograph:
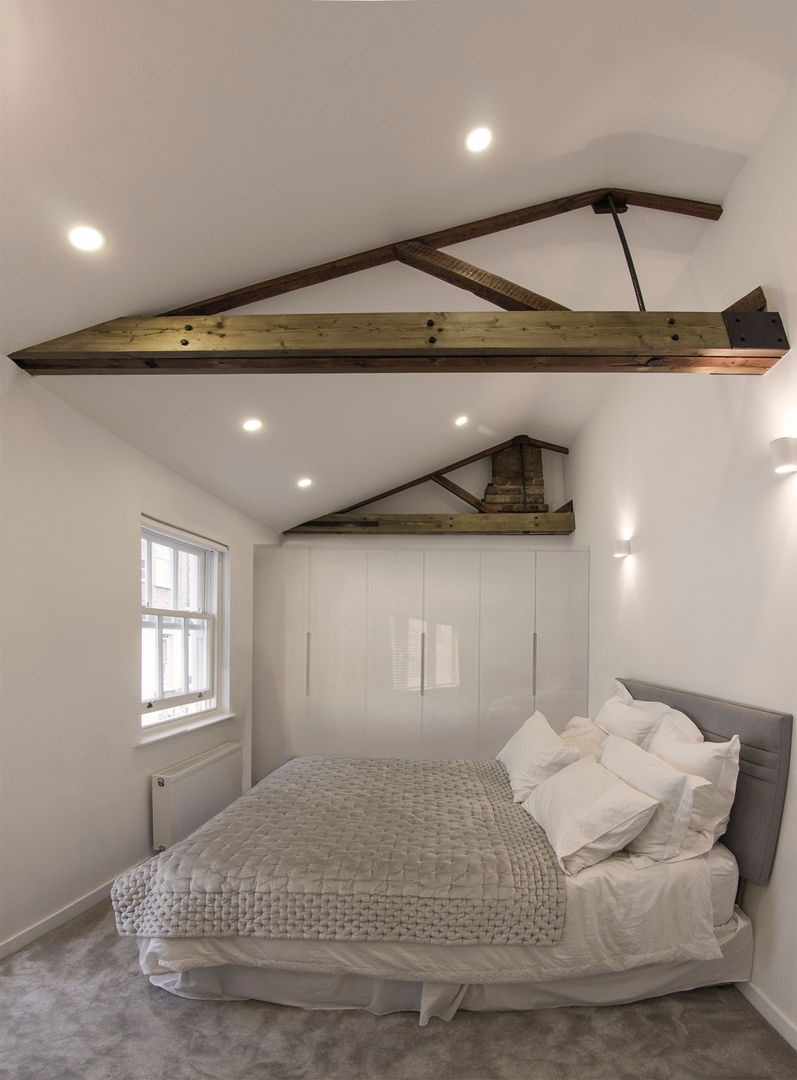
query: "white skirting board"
58, 918
771, 1013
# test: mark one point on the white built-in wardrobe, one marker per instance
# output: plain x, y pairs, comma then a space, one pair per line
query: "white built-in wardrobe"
424, 653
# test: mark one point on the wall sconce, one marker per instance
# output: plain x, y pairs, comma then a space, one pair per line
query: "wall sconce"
622, 548
784, 455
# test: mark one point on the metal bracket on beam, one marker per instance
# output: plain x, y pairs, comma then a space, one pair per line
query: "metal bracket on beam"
604, 204
755, 330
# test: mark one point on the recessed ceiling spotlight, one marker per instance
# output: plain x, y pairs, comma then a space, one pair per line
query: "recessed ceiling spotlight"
86, 238
252, 425
479, 139
461, 421
304, 482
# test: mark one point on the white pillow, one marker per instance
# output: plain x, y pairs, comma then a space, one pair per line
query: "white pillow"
628, 721
677, 721
675, 724
588, 813
534, 753
717, 762
587, 738
661, 838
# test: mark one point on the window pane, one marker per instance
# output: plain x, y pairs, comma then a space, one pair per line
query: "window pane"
162, 576
149, 657
144, 573
198, 655
173, 655
189, 565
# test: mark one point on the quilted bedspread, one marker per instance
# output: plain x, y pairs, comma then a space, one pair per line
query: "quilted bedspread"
366, 849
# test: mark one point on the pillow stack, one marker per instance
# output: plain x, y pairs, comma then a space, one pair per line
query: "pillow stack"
638, 777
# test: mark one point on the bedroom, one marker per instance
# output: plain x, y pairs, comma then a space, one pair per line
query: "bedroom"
682, 462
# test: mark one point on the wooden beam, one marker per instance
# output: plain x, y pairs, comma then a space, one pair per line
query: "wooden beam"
440, 524
416, 341
461, 493
753, 301
457, 234
497, 290
453, 467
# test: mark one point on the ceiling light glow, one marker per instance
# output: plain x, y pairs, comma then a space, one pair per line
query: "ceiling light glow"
85, 238
304, 482
461, 421
252, 425
479, 139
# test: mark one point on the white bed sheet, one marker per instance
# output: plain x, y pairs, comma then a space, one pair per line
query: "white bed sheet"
618, 918
310, 990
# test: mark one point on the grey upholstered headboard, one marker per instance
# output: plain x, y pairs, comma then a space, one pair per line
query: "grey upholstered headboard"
763, 768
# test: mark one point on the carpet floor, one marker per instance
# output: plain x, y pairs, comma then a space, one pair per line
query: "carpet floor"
75, 1007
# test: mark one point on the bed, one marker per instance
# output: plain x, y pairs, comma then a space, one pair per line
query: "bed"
612, 933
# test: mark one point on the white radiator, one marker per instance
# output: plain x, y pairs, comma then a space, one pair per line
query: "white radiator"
188, 794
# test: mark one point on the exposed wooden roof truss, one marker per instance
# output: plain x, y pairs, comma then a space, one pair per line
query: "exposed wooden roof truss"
532, 333
485, 521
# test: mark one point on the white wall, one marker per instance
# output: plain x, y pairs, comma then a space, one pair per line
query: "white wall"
680, 463
74, 797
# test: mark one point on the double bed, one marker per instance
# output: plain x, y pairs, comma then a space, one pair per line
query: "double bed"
423, 886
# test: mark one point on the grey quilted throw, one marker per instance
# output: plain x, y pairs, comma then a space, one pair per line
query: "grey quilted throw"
365, 849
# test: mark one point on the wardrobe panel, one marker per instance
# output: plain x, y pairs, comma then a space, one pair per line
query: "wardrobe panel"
506, 646
335, 653
395, 628
450, 678
562, 635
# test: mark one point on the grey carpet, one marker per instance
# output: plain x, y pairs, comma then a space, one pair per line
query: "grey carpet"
75, 1007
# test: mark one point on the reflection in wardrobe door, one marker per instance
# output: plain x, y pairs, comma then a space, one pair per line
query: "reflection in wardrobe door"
395, 629
334, 651
562, 635
506, 646
450, 684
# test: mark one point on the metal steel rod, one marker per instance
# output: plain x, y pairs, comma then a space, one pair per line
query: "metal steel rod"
626, 252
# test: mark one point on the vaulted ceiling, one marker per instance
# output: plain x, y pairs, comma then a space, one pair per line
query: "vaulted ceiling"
215, 144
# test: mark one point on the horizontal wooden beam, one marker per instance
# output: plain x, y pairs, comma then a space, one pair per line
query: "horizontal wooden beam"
441, 524
566, 341
456, 234
464, 275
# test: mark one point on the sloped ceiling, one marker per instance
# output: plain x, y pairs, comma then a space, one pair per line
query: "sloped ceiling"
219, 143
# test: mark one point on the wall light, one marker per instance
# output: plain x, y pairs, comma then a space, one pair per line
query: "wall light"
304, 482
252, 425
784, 454
622, 548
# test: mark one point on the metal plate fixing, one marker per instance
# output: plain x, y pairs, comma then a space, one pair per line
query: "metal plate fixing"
755, 330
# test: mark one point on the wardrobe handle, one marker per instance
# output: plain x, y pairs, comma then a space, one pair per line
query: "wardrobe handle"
307, 664
423, 663
534, 664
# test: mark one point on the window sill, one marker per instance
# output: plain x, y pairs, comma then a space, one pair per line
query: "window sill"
180, 727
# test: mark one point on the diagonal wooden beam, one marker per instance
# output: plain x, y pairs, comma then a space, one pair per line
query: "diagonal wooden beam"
577, 341
456, 234
461, 493
456, 465
497, 290
753, 301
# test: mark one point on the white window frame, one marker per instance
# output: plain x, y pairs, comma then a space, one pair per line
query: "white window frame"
158, 712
